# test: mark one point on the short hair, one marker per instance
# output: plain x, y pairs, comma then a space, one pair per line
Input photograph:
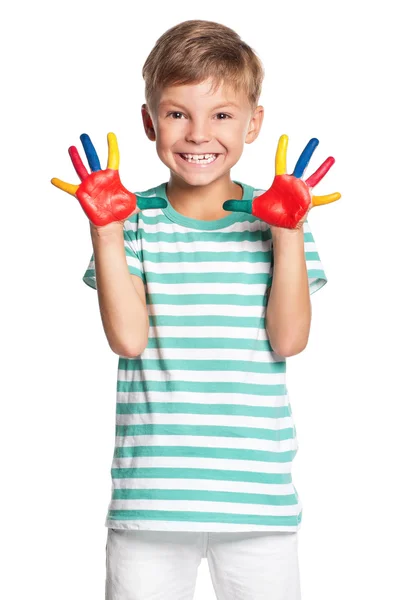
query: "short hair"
196, 50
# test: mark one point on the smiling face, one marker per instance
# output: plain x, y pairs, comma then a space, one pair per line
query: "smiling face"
189, 119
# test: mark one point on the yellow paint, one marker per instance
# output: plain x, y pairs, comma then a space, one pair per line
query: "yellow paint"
318, 200
113, 152
280, 159
66, 187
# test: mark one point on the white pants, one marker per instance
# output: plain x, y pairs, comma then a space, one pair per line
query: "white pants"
163, 565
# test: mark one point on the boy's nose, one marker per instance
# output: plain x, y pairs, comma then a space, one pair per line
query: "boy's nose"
199, 133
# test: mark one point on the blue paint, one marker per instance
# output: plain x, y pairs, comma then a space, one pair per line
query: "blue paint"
305, 157
91, 154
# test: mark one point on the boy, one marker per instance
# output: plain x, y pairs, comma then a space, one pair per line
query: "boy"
204, 431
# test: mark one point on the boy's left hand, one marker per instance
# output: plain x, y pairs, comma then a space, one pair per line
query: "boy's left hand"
289, 199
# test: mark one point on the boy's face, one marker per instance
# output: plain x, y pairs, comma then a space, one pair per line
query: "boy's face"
187, 119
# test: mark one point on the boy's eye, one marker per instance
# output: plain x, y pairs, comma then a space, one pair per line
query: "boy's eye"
180, 113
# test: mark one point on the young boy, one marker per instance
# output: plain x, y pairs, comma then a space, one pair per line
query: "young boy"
204, 432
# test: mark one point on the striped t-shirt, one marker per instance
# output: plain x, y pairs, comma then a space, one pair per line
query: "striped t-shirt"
204, 437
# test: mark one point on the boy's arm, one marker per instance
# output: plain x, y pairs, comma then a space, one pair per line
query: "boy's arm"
123, 309
288, 314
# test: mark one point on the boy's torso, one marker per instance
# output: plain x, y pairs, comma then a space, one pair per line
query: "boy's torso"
204, 431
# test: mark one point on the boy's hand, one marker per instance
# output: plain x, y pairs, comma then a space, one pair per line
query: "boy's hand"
101, 194
288, 201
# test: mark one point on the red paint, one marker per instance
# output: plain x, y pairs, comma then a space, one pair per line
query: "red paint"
320, 173
78, 163
285, 203
104, 199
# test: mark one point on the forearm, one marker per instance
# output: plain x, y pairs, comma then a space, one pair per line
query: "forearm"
288, 315
124, 317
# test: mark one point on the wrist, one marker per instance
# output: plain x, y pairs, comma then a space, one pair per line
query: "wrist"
277, 232
105, 229
111, 230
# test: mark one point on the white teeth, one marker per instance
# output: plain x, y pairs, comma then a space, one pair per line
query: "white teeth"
202, 159
198, 156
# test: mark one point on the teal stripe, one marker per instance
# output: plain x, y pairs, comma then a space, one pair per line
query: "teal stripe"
316, 273
90, 281
89, 273
312, 256
158, 364
204, 452
206, 496
146, 218
230, 343
191, 408
205, 299
259, 433
202, 517
196, 257
205, 321
210, 237
226, 277
202, 387
213, 474
308, 237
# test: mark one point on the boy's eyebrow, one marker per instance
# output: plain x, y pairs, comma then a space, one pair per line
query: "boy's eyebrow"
165, 102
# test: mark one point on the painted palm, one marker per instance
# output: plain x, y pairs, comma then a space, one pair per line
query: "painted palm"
289, 199
101, 194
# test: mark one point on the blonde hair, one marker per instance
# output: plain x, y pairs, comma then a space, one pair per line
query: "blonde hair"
196, 50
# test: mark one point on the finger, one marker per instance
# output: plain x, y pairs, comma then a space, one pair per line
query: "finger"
318, 200
91, 154
305, 158
66, 187
78, 163
152, 202
320, 173
113, 152
280, 159
238, 206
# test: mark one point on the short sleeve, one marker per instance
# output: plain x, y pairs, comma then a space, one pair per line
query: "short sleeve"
132, 252
316, 274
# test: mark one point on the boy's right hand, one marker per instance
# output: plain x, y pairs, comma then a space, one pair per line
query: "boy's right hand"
101, 194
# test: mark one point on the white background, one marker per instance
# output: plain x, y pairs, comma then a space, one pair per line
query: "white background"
70, 67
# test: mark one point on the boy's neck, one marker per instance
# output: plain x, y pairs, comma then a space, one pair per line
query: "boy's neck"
202, 202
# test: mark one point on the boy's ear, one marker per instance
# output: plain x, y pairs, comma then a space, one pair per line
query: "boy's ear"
255, 124
147, 121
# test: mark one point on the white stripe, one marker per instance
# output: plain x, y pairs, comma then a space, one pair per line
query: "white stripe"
214, 442
229, 508
164, 268
241, 355
216, 288
314, 264
200, 376
209, 420
212, 245
310, 247
211, 331
225, 354
229, 398
196, 526
212, 485
197, 462
240, 311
